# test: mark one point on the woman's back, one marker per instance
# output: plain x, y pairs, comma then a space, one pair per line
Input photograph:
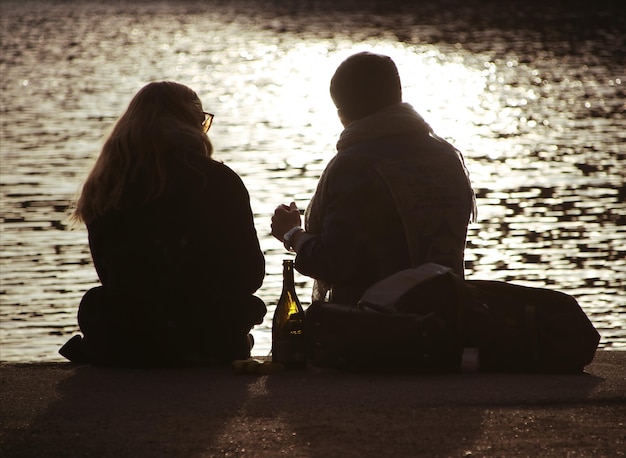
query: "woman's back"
180, 241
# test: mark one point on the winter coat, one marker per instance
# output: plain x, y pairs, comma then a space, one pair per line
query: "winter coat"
395, 196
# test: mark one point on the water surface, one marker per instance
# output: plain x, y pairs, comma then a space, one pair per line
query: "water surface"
533, 95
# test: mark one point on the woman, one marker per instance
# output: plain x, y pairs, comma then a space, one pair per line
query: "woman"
173, 242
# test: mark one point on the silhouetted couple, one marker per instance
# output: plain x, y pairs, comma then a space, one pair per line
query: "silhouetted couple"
172, 234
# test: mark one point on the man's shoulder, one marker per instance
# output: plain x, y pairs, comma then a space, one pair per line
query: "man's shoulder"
400, 148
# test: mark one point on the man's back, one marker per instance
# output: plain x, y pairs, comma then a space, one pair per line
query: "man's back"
383, 206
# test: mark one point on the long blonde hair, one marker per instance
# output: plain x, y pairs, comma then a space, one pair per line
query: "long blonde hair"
141, 141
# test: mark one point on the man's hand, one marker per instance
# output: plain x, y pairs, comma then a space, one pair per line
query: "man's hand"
285, 217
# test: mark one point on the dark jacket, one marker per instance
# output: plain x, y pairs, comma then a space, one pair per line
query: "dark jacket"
384, 205
181, 269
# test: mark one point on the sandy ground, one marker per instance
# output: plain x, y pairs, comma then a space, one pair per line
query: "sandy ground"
59, 409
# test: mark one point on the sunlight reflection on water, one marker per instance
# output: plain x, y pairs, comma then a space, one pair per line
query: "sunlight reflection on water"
542, 137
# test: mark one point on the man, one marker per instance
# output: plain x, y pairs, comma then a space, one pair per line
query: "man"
395, 196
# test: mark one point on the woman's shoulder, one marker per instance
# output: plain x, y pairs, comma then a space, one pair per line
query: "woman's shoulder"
219, 167
208, 171
224, 171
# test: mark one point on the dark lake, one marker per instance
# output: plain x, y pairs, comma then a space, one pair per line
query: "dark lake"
533, 93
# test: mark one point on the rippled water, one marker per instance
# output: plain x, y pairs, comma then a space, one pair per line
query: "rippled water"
534, 95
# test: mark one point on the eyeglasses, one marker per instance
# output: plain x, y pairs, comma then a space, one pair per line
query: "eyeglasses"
208, 120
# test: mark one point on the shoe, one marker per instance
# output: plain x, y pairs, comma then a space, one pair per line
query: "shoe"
74, 350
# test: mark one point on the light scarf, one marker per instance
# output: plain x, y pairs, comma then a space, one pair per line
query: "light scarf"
396, 119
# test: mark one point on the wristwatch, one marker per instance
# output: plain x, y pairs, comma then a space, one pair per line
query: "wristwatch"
288, 237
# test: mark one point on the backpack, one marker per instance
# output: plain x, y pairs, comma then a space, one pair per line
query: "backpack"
524, 329
428, 319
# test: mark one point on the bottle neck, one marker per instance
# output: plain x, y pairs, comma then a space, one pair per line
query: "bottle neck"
288, 281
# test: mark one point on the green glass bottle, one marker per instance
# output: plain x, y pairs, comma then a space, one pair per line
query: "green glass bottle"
288, 340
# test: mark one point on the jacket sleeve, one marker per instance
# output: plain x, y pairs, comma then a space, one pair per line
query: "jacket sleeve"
346, 196
237, 222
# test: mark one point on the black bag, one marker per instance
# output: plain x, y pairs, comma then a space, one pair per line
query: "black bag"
519, 328
422, 320
390, 330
